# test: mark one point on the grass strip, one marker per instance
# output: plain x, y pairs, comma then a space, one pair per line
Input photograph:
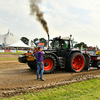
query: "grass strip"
86, 90
15, 53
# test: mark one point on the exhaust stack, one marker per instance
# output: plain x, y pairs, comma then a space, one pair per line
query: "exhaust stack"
48, 40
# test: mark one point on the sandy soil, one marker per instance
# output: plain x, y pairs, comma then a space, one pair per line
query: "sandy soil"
8, 56
16, 78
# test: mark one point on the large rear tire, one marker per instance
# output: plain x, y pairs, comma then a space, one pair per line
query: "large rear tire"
76, 62
32, 64
49, 63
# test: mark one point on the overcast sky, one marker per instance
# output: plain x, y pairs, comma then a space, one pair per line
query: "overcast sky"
81, 18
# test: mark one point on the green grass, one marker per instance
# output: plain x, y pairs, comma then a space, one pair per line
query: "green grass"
86, 90
8, 58
16, 53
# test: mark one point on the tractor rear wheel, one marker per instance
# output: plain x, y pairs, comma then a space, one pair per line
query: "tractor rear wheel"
32, 64
76, 62
49, 63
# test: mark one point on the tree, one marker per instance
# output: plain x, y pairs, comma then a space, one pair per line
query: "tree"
42, 40
80, 44
36, 39
25, 40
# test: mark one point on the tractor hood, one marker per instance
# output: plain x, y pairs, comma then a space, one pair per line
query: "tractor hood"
49, 50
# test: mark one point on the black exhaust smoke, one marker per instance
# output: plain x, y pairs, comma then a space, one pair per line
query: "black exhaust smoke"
35, 10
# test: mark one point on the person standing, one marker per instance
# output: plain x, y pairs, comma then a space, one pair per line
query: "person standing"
39, 57
64, 46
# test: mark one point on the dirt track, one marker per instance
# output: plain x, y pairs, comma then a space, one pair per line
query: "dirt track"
16, 77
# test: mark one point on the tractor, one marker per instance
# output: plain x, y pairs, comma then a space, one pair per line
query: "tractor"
60, 54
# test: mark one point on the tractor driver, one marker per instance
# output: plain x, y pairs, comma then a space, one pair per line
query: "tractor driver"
64, 46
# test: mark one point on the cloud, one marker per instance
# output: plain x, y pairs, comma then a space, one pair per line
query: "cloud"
81, 18
77, 17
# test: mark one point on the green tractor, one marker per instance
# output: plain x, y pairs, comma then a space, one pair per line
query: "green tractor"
60, 54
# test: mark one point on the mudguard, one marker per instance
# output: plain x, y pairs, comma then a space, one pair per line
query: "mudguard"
87, 61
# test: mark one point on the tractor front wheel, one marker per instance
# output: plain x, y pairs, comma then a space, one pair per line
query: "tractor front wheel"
49, 63
76, 62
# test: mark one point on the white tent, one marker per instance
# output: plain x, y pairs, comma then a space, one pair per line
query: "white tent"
19, 43
7, 39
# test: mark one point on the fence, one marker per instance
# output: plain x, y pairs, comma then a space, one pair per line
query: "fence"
14, 51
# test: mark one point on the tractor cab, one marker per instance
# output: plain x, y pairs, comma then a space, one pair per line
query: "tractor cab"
65, 43
62, 44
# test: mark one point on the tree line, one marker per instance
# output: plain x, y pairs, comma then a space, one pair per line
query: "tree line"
43, 40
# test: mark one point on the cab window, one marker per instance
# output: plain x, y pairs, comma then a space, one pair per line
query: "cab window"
65, 44
56, 44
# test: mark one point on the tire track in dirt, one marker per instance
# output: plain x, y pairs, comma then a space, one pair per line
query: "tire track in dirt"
17, 78
76, 78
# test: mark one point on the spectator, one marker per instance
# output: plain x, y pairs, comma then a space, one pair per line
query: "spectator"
39, 56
